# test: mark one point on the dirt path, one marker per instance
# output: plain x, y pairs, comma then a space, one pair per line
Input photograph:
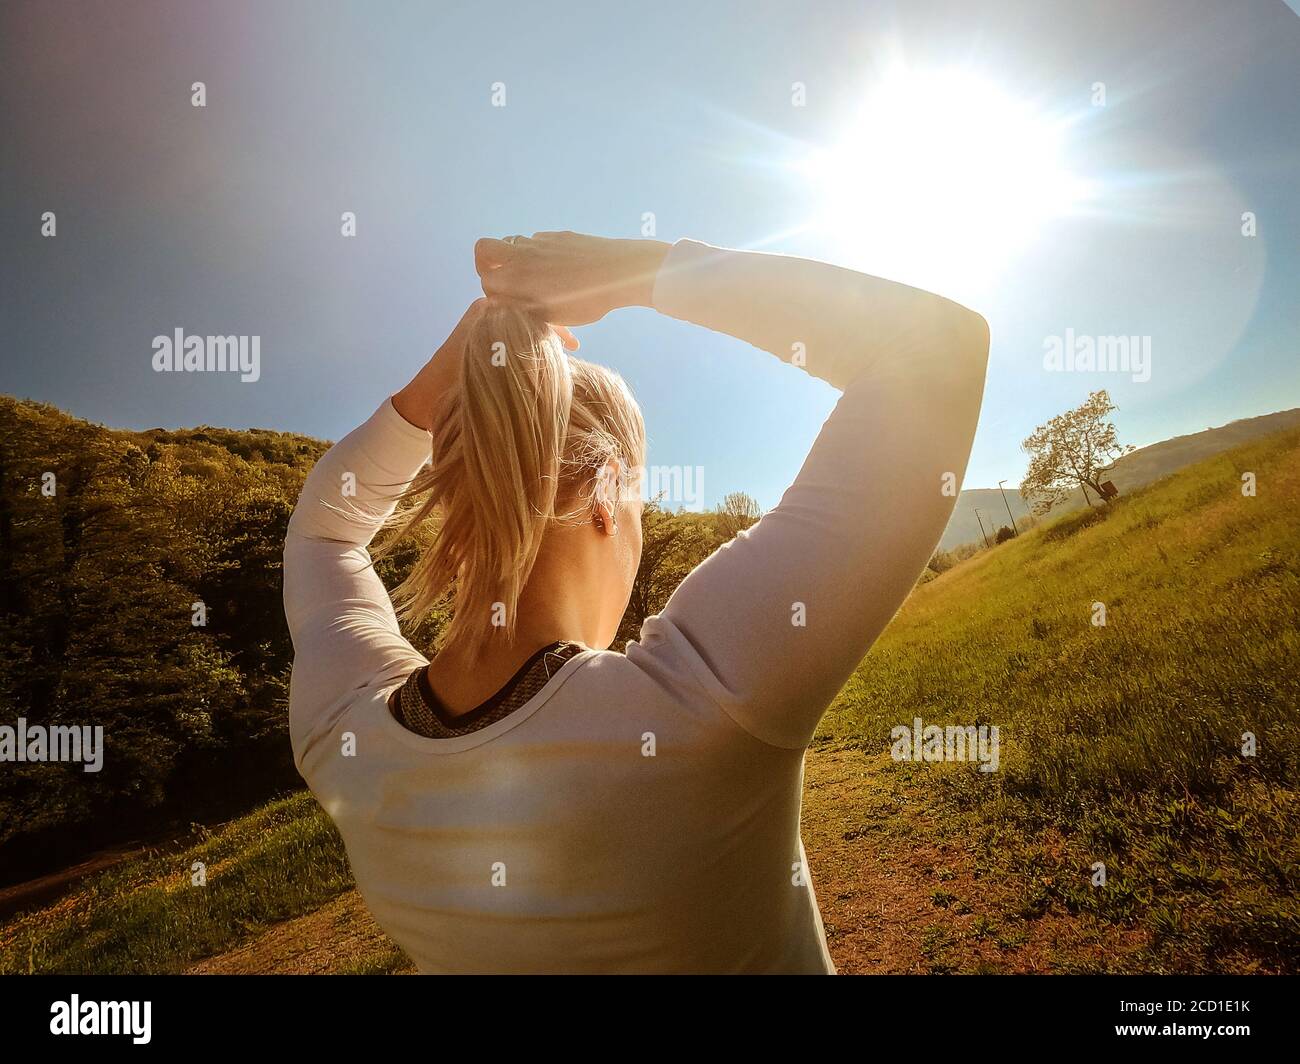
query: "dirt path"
48, 888
896, 895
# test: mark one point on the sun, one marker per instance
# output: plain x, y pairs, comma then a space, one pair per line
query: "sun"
941, 180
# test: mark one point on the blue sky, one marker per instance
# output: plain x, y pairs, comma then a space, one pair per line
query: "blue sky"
225, 219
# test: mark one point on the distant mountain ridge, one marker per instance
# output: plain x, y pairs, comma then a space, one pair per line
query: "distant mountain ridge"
1132, 471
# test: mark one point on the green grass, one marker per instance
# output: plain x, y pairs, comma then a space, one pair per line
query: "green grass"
1122, 744
146, 916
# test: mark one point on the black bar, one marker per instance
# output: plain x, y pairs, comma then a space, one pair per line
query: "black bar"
982, 1013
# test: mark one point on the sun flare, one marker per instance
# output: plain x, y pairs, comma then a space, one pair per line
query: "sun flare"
941, 180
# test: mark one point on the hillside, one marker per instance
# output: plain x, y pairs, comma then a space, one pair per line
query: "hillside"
964, 526
1131, 472
140, 593
1121, 746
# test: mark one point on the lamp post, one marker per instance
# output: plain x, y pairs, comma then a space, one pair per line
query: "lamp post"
982, 532
1014, 530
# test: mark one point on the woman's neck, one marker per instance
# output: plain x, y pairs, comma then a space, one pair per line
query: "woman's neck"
463, 680
554, 606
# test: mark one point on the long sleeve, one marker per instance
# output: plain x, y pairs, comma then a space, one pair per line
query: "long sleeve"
774, 622
344, 629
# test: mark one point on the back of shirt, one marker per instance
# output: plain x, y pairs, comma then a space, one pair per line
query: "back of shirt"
618, 822
641, 813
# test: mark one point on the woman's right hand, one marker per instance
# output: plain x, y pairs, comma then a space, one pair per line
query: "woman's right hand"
572, 278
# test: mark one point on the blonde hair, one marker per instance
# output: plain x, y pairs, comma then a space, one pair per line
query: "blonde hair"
525, 441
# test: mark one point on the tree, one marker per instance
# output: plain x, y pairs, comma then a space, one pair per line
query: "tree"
1074, 449
672, 545
1004, 533
737, 512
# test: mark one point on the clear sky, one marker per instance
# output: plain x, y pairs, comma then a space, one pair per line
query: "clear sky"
225, 219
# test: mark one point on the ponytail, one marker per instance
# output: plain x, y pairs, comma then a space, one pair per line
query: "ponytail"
527, 424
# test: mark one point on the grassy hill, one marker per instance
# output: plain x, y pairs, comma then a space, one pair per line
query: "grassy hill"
1133, 471
1120, 745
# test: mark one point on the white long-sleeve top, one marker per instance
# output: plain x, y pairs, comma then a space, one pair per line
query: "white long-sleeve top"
641, 812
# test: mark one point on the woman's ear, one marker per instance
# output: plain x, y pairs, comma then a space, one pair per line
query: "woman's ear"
605, 498
604, 520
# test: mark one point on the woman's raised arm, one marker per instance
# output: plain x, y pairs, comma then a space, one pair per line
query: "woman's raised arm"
773, 623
